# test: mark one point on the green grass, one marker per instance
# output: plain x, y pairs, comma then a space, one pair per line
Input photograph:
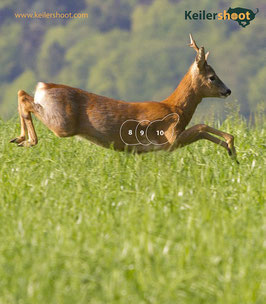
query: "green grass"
83, 224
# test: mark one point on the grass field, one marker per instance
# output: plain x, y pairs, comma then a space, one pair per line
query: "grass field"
83, 224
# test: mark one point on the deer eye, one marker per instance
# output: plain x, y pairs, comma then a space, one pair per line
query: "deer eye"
212, 78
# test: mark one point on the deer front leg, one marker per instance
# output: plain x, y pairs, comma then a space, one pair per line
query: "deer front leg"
196, 133
228, 138
25, 106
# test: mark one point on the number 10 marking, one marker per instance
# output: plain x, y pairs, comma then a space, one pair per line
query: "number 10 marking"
161, 132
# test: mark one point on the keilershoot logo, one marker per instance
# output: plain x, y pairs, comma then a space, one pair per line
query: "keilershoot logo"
241, 15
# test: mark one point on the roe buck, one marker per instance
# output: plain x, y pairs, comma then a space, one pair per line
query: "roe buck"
131, 126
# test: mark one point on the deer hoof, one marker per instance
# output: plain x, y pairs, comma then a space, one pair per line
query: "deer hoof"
17, 140
232, 153
235, 159
26, 144
233, 156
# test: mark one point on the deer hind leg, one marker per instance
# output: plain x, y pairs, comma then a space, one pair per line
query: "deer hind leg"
25, 107
23, 129
199, 132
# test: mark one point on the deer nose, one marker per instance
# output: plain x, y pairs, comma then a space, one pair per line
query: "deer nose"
228, 92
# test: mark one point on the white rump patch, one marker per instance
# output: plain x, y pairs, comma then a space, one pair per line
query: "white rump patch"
40, 85
39, 93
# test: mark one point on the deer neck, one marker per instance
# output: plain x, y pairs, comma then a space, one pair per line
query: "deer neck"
186, 97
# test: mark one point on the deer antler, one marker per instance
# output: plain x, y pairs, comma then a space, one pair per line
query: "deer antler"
193, 44
200, 57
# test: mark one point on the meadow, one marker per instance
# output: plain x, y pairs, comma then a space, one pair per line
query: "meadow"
83, 224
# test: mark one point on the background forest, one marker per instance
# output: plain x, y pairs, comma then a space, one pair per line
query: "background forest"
131, 50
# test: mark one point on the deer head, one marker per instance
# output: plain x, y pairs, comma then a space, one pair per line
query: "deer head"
205, 80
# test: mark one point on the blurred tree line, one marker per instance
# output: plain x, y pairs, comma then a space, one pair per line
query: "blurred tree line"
130, 50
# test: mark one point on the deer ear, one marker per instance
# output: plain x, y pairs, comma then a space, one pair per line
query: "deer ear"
206, 55
200, 58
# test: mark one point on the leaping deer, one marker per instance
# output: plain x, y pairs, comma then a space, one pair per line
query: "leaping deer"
130, 126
